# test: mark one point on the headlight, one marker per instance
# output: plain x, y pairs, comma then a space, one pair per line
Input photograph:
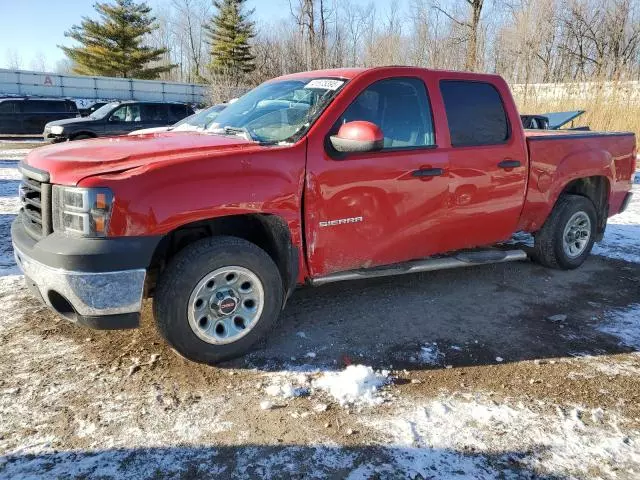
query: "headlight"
57, 129
82, 211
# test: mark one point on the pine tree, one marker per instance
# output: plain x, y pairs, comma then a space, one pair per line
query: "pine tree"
112, 46
229, 32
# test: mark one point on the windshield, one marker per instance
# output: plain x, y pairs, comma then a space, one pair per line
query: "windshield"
202, 119
278, 111
104, 110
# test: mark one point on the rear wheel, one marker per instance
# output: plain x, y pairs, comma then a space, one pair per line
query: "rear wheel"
82, 136
567, 237
217, 298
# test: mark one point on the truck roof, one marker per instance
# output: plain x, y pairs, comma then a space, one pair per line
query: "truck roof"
350, 73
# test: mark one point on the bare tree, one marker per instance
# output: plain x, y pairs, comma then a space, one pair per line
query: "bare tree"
472, 27
39, 62
14, 60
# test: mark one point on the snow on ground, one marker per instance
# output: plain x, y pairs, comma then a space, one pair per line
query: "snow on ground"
157, 432
624, 324
14, 153
622, 233
556, 441
9, 206
356, 384
428, 355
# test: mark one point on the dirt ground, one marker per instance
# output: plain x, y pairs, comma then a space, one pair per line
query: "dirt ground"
502, 371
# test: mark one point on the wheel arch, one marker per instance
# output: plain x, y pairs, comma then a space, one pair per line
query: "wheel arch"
267, 231
596, 188
83, 132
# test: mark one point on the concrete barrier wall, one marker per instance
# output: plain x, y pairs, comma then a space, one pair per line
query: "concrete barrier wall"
625, 91
23, 82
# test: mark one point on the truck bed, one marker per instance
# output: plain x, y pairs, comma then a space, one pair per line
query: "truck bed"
559, 155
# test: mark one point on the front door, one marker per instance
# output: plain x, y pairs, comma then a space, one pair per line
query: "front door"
384, 207
125, 119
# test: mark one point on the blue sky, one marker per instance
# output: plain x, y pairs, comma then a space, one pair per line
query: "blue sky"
35, 27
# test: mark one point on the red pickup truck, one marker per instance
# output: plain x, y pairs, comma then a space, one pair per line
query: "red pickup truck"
309, 178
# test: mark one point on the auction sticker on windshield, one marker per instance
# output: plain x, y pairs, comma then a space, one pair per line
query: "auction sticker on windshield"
325, 84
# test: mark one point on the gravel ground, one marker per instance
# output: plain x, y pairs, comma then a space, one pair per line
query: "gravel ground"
502, 371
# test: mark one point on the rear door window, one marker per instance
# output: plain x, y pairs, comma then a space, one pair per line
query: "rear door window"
154, 113
475, 113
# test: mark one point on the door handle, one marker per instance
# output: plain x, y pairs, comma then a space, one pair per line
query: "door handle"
428, 172
509, 164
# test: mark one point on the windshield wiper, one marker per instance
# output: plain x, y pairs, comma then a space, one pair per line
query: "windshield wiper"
239, 131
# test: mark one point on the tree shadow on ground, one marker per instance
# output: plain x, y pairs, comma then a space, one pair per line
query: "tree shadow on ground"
270, 462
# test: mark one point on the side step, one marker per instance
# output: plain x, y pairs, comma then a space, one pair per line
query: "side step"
456, 260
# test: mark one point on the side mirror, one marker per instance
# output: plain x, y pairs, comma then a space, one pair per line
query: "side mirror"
358, 136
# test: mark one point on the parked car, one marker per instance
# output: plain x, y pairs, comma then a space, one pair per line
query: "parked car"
85, 112
117, 118
310, 178
198, 121
28, 115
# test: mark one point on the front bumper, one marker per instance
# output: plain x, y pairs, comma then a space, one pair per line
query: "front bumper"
91, 282
50, 138
82, 297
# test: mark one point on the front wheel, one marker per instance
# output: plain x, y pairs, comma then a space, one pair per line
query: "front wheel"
217, 298
566, 238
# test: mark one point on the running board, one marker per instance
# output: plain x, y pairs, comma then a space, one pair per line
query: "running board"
457, 260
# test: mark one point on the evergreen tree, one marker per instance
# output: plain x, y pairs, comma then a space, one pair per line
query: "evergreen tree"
112, 46
229, 32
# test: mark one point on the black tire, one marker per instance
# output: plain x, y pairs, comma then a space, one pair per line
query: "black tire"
183, 273
549, 249
82, 136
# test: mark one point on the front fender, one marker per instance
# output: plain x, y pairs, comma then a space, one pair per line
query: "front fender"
157, 198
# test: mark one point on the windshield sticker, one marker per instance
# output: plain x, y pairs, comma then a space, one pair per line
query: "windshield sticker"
325, 84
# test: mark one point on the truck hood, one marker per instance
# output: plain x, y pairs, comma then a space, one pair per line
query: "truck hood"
70, 162
70, 121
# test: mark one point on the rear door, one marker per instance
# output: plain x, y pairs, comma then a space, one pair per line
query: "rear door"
177, 113
488, 163
10, 118
378, 208
154, 115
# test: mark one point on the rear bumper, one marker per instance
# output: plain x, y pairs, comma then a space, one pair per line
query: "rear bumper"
98, 283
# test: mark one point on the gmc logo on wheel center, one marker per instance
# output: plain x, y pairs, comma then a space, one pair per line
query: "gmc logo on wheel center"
331, 223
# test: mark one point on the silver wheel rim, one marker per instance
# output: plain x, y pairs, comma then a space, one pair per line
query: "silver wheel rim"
225, 305
577, 234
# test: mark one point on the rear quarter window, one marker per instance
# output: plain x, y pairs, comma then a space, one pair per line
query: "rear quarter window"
7, 107
475, 113
43, 106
